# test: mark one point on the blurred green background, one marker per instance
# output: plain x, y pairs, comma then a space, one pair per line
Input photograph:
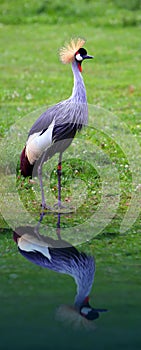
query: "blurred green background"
31, 32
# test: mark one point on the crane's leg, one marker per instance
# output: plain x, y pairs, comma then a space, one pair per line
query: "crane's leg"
58, 230
59, 172
59, 205
44, 205
41, 185
59, 169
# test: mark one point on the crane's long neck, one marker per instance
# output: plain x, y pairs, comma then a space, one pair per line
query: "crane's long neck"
79, 91
84, 279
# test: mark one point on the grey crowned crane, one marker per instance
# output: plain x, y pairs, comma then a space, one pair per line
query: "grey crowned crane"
60, 256
55, 129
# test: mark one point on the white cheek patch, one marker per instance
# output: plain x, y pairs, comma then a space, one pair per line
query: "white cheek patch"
85, 310
78, 57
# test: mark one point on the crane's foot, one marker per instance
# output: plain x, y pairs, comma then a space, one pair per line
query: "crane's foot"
59, 207
46, 207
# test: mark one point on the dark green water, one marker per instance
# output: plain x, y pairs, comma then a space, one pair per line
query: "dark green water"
30, 296
28, 322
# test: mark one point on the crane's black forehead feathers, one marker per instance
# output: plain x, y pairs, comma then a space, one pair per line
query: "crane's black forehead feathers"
82, 51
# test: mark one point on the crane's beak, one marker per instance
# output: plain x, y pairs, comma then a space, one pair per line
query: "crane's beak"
100, 310
85, 57
94, 313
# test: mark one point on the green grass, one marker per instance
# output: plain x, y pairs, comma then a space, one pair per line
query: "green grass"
99, 13
32, 78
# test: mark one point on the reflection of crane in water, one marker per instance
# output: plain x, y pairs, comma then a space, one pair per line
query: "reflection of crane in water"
60, 256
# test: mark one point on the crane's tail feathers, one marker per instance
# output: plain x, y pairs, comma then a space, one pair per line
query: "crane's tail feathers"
68, 51
25, 166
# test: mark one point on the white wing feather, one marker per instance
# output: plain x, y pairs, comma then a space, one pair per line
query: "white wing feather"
37, 143
30, 243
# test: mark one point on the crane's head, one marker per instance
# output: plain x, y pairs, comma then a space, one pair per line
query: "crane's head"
79, 317
88, 312
81, 55
74, 51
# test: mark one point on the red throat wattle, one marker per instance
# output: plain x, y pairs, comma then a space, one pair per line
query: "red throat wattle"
79, 67
86, 300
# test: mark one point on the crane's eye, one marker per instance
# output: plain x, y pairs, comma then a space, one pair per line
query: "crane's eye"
78, 57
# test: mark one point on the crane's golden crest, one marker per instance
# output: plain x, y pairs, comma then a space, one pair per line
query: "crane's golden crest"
68, 51
69, 315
